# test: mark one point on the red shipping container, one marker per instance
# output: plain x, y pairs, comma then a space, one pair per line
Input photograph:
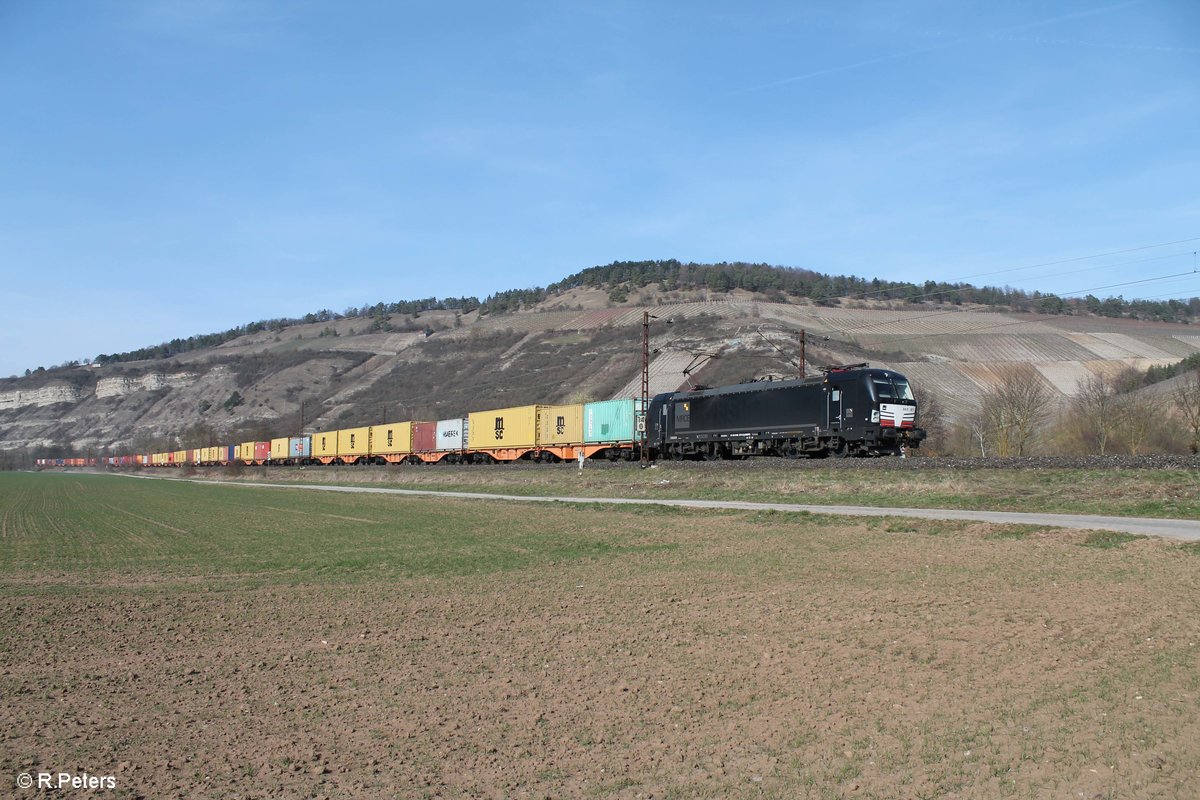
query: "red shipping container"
424, 436
262, 451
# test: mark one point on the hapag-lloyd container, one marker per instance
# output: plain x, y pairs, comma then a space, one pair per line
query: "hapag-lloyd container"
452, 434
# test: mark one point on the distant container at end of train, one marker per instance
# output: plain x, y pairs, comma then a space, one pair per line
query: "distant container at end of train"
848, 411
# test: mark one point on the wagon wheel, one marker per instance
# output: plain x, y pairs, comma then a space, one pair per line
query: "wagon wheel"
841, 450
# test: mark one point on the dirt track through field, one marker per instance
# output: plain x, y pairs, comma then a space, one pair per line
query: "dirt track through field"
1178, 529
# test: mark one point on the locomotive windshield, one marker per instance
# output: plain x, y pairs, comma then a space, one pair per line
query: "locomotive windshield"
892, 390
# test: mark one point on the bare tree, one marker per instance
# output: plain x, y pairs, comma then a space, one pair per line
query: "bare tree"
1134, 416
930, 415
1187, 400
1095, 407
1015, 410
977, 424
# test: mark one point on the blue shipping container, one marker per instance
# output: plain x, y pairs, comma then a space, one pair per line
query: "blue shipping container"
610, 421
300, 447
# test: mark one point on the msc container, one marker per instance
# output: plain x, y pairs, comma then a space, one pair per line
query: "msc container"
279, 449
502, 427
300, 447
451, 434
610, 421
560, 425
354, 442
325, 445
392, 437
424, 436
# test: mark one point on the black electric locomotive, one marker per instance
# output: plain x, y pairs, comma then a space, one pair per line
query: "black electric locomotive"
850, 410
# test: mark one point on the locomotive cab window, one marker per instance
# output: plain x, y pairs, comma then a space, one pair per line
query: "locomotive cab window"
891, 391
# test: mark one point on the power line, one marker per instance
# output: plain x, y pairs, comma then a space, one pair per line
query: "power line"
871, 325
1074, 259
1085, 258
983, 328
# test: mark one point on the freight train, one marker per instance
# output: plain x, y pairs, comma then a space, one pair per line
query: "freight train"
851, 410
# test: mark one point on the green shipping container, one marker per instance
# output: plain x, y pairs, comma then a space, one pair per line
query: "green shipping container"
610, 421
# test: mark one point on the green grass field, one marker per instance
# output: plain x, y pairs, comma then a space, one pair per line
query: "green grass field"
72, 523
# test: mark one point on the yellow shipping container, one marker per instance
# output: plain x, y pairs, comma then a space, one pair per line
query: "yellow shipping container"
325, 444
354, 442
181, 457
502, 427
245, 451
393, 437
558, 425
279, 449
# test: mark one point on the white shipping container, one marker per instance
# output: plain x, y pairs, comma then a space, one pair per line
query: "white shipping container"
451, 434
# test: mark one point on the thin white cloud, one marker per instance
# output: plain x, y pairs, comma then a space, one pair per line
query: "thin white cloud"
958, 40
1104, 45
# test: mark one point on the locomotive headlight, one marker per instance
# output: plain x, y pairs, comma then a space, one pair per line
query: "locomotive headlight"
875, 415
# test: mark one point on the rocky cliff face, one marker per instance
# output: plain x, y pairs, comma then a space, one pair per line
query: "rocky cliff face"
41, 396
121, 386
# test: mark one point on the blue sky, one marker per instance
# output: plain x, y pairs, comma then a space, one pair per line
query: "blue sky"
174, 168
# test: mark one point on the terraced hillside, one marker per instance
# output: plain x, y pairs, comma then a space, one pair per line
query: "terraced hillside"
574, 346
